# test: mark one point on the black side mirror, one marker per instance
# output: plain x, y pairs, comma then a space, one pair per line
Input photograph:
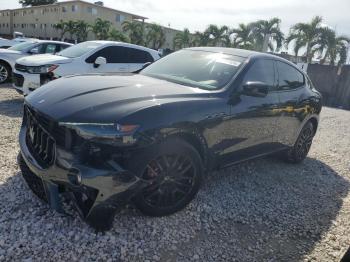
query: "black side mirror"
255, 88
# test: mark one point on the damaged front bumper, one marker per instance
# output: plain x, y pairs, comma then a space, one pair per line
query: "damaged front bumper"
98, 193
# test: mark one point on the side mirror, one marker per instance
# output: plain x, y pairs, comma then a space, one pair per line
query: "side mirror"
256, 89
34, 51
100, 61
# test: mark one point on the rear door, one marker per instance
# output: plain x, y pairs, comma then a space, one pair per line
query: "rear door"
253, 120
292, 108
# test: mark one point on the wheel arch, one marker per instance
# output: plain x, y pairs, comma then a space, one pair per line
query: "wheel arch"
196, 140
6, 63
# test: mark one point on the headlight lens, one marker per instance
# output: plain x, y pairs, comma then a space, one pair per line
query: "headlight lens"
42, 69
105, 132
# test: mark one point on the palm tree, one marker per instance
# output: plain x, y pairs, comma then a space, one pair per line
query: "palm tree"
200, 39
218, 35
82, 30
306, 35
182, 39
332, 44
116, 35
135, 30
62, 28
101, 28
71, 28
155, 36
243, 37
268, 32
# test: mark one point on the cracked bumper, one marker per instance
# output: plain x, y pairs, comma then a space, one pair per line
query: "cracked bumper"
97, 193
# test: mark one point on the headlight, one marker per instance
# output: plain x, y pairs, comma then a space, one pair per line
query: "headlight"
41, 69
108, 133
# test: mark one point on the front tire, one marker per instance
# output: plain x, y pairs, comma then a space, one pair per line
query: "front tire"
5, 72
174, 171
301, 148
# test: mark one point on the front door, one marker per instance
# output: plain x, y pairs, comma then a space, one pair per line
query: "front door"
252, 119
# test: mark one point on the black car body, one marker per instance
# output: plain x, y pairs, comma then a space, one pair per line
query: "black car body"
90, 136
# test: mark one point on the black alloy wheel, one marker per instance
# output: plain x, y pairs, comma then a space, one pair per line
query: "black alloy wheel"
173, 171
303, 144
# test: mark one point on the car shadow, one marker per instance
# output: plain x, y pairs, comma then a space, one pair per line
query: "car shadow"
264, 210
11, 104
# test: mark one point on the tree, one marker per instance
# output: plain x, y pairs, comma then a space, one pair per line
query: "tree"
155, 36
82, 30
218, 36
306, 35
267, 32
182, 39
200, 39
101, 28
135, 31
116, 35
243, 37
62, 28
71, 28
36, 2
332, 46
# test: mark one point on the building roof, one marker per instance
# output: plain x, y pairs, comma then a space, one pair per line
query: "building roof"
134, 16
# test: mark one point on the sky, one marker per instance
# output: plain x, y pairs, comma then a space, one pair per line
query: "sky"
197, 14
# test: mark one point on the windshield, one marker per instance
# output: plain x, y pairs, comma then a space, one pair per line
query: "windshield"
206, 70
79, 49
21, 46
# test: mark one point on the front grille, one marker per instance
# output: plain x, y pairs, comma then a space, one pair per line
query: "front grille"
43, 135
21, 68
17, 79
40, 143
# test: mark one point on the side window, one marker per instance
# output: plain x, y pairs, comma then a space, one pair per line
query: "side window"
50, 49
139, 56
261, 71
113, 54
62, 47
289, 77
120, 54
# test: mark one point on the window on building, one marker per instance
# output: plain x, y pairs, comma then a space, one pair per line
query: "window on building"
119, 18
92, 10
74, 8
64, 9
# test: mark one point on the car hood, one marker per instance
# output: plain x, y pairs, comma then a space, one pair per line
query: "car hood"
44, 59
9, 52
106, 98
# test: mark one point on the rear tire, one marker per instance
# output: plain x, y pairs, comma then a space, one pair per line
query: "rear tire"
174, 171
5, 73
301, 148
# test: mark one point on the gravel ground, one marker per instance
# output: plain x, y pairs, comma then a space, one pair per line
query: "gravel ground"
262, 210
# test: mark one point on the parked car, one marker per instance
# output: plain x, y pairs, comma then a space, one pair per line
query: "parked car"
9, 56
18, 37
151, 137
87, 57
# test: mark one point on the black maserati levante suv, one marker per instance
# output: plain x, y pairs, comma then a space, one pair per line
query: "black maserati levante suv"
106, 140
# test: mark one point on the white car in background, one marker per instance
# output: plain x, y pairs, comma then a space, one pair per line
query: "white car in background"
9, 56
84, 58
18, 37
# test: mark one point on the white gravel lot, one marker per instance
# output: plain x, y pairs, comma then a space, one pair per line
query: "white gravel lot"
262, 210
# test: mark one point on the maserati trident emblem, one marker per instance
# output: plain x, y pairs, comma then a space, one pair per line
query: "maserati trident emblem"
31, 134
